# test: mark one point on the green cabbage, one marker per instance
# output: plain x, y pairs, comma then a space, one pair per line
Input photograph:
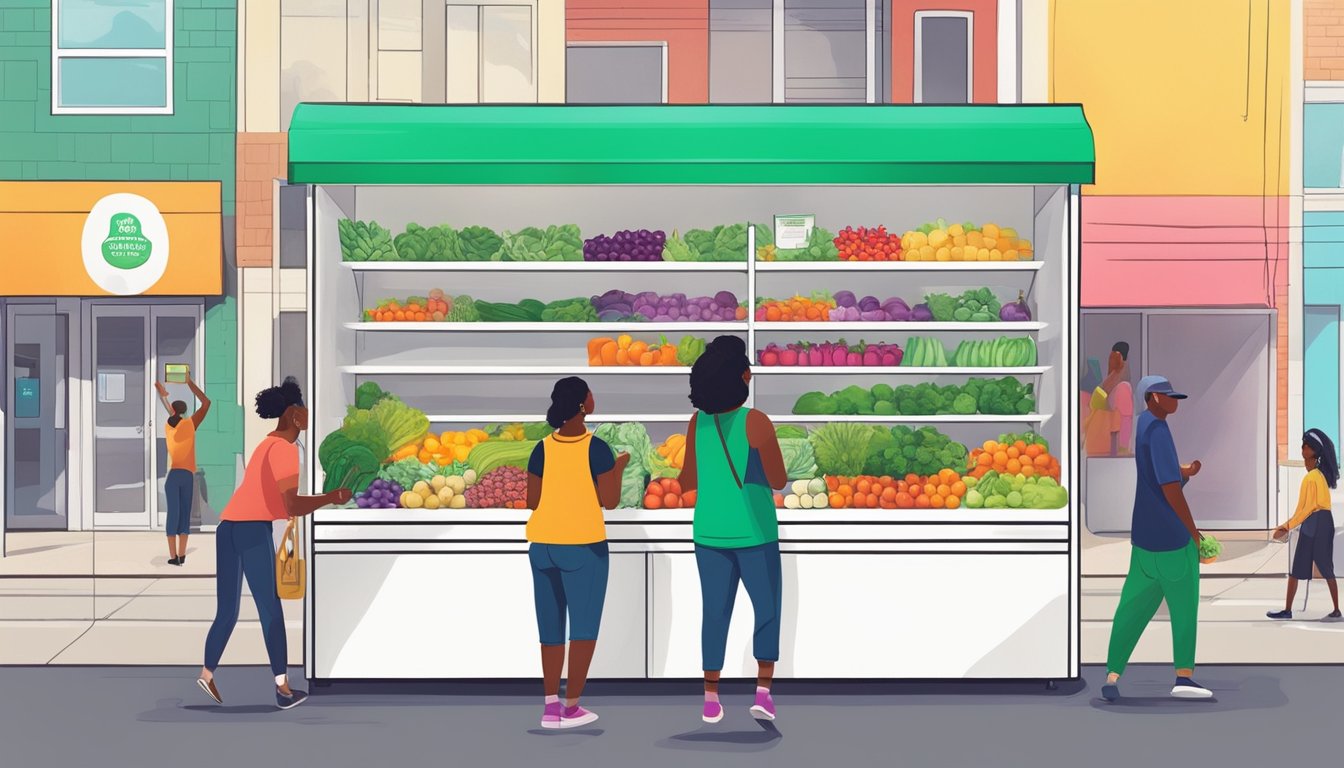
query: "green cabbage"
799, 459
633, 439
401, 423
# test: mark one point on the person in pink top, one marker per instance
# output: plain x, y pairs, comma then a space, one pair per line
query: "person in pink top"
1121, 399
245, 548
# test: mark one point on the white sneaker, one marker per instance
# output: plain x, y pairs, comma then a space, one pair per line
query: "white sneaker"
1185, 688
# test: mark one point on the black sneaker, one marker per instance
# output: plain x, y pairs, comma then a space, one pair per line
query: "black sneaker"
294, 699
1185, 688
1280, 615
1332, 617
1111, 691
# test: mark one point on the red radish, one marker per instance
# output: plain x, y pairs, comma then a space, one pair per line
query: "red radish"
871, 357
854, 358
815, 356
839, 355
769, 358
788, 357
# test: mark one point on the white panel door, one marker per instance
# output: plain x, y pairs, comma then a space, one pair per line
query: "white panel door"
122, 391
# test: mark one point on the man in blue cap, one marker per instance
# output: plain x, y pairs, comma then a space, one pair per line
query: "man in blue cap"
1164, 561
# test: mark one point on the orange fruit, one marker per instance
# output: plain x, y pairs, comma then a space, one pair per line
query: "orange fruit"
872, 501
944, 490
921, 502
958, 489
936, 501
653, 502
845, 490
888, 494
1000, 458
904, 500
864, 486
1033, 450
912, 479
837, 501
985, 460
1028, 470
1014, 466
1013, 453
832, 482
1041, 461
1020, 445
952, 502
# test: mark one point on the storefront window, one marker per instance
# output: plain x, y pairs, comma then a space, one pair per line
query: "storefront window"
825, 51
615, 73
741, 69
1322, 145
490, 53
943, 57
293, 226
112, 57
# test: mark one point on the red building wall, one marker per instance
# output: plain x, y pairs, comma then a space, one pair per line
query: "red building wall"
682, 24
985, 46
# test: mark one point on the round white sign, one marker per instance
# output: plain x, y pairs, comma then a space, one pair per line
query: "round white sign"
125, 244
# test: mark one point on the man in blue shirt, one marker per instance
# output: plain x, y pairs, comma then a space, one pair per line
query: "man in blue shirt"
1164, 561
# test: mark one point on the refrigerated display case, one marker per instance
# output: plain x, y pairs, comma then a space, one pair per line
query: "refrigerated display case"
869, 593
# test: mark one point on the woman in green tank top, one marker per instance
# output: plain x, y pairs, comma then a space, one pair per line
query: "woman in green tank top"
733, 460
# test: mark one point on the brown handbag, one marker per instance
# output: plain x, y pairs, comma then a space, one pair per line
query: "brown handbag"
290, 572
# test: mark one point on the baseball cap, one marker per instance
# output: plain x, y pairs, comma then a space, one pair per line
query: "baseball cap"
1159, 385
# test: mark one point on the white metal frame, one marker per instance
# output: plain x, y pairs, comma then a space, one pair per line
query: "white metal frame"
661, 44
480, 5
920, 16
58, 53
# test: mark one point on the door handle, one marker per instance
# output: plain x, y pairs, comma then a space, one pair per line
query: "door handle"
139, 430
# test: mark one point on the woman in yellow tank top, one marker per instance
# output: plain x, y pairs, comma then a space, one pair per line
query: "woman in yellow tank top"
571, 476
180, 436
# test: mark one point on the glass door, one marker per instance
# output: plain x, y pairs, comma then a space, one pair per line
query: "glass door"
37, 432
174, 331
122, 393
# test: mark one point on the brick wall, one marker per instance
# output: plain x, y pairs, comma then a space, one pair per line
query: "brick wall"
1323, 38
261, 159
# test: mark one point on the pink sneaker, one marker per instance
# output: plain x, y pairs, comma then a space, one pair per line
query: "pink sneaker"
576, 717
764, 708
713, 712
550, 718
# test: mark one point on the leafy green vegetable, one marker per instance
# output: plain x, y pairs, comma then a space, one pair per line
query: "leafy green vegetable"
1209, 547
730, 243
815, 404
788, 432
820, 247
536, 430
854, 400
365, 241
799, 458
364, 428
479, 243
464, 311
677, 249
409, 471
765, 235
578, 310
401, 423
564, 242
701, 241
942, 306
689, 349
368, 394
527, 244
882, 444
433, 244
344, 459
841, 448
633, 439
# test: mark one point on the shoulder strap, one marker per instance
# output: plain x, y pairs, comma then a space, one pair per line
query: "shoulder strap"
723, 441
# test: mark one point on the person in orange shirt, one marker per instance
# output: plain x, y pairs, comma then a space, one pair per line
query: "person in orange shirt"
180, 435
245, 548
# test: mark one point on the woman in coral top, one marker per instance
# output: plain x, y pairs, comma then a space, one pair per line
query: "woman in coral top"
179, 436
244, 543
1316, 539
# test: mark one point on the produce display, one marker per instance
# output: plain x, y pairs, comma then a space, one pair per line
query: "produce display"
502, 488
831, 354
381, 494
621, 306
940, 241
672, 455
942, 490
443, 449
974, 306
439, 492
994, 397
626, 245
1004, 352
850, 309
1026, 454
631, 438
365, 241
864, 244
723, 243
996, 491
816, 308
821, 246
978, 305
665, 493
437, 306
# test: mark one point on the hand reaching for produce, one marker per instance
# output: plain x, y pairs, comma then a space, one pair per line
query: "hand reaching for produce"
341, 496
1191, 469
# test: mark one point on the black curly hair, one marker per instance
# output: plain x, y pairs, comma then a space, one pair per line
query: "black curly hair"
1327, 460
566, 399
272, 402
716, 377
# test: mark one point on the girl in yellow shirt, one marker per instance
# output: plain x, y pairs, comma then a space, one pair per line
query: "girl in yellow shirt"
1316, 540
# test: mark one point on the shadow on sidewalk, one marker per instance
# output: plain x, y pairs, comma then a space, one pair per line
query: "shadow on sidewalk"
174, 711
709, 739
1228, 696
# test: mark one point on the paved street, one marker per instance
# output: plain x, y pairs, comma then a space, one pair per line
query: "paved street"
156, 717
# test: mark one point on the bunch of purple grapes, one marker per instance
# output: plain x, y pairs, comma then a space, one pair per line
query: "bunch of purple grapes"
381, 494
626, 245
721, 307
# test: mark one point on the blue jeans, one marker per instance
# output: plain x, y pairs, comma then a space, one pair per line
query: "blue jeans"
177, 488
246, 549
569, 578
758, 568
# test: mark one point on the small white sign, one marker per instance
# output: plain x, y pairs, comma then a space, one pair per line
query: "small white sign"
125, 244
793, 232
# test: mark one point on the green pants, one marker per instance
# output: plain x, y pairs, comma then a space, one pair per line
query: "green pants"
1152, 577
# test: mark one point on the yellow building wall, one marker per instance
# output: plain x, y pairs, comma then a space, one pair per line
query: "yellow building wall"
1185, 97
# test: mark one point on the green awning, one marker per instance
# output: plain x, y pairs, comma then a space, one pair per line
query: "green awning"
689, 144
